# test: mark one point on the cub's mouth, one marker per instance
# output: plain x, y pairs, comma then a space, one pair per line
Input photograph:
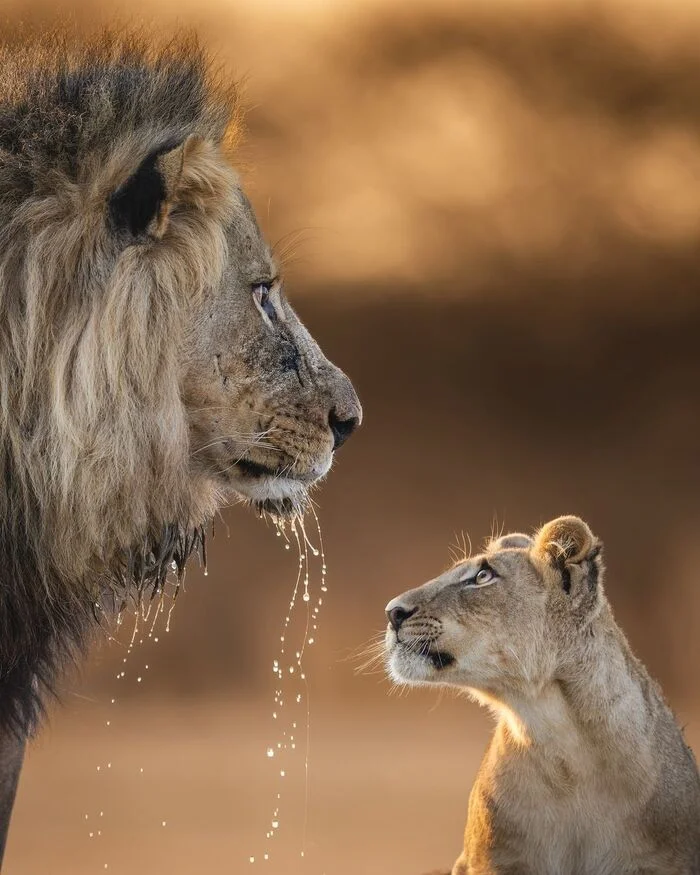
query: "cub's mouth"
440, 659
415, 660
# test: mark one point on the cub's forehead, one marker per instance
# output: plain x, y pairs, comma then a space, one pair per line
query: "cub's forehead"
508, 551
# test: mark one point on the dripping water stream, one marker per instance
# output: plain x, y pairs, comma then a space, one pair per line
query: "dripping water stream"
144, 627
287, 668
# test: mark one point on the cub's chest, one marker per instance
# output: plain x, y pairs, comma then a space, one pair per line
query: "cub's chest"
552, 818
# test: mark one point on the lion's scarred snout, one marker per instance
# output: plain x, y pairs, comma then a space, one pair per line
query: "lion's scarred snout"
341, 429
345, 411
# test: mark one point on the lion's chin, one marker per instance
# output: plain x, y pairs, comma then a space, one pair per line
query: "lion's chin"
276, 493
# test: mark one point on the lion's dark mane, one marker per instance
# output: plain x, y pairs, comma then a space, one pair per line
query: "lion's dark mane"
83, 532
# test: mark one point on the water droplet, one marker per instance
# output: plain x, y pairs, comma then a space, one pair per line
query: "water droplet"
270, 752
164, 823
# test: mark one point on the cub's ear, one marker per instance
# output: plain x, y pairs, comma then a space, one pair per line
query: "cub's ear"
140, 206
569, 546
514, 541
566, 539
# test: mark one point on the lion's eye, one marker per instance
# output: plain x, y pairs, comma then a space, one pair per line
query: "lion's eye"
262, 297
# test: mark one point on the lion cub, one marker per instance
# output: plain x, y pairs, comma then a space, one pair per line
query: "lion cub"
587, 772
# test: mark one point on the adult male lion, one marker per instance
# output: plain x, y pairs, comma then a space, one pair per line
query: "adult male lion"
150, 366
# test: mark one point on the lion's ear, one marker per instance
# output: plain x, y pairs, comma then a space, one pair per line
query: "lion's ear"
140, 206
568, 546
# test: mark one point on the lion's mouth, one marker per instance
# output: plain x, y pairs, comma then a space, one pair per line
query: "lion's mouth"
272, 491
255, 469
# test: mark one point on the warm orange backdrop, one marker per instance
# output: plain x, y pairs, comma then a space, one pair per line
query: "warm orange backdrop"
490, 213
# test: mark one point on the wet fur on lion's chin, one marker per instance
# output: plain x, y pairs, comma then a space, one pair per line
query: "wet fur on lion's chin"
274, 494
278, 497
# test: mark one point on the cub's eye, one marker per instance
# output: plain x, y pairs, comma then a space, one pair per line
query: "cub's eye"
262, 295
486, 575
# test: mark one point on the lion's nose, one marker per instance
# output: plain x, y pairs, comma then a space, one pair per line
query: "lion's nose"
397, 614
341, 429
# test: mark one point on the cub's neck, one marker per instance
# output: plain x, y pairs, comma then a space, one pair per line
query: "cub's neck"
597, 710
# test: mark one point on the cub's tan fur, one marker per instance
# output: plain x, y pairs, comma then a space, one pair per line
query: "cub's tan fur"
587, 772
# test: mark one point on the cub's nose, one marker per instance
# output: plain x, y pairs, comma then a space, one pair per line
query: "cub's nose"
397, 613
341, 429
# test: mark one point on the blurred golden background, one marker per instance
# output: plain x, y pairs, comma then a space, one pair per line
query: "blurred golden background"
490, 214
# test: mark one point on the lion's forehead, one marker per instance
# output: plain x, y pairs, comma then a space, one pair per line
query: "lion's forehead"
249, 252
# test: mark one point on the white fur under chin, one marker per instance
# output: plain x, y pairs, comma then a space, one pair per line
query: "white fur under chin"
409, 668
272, 489
277, 488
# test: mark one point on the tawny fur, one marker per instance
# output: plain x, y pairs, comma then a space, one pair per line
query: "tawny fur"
587, 771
